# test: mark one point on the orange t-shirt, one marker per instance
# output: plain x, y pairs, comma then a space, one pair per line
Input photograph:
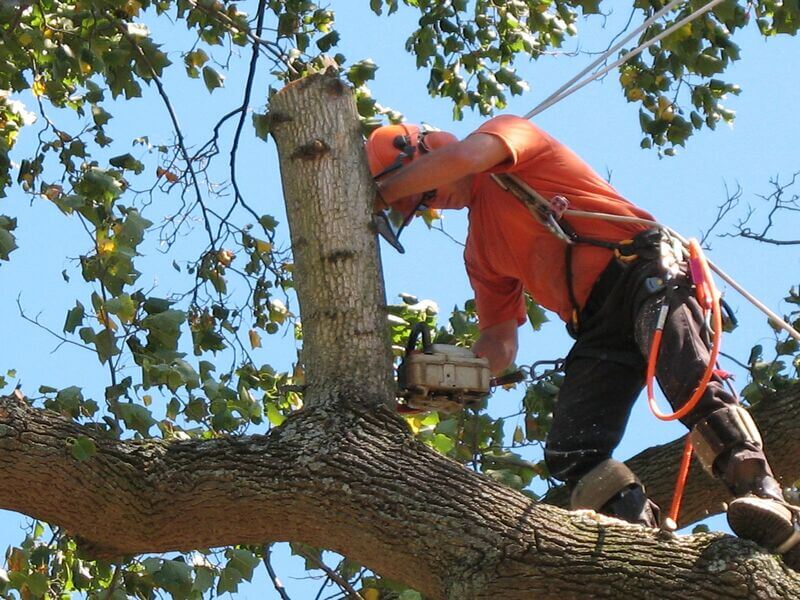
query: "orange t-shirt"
509, 251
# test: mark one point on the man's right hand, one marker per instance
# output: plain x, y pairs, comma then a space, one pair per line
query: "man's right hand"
498, 344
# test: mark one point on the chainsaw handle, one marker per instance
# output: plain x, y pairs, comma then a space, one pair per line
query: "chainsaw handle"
517, 376
417, 330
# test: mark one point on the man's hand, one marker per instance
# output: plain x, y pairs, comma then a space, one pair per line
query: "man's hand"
498, 344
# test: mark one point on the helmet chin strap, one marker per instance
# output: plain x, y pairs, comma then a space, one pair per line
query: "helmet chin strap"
381, 220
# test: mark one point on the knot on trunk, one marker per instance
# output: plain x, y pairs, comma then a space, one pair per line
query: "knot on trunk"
312, 150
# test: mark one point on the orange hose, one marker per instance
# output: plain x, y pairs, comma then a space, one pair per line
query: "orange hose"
694, 250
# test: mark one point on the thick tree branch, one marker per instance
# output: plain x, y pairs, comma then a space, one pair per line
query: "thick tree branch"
328, 193
353, 480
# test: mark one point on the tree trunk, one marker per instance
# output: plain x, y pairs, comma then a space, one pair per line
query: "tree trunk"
328, 193
346, 474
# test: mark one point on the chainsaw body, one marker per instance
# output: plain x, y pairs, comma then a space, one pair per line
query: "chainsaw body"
441, 377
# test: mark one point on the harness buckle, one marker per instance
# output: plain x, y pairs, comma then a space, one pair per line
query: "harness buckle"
558, 205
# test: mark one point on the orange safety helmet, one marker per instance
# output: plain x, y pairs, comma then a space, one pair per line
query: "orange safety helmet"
392, 146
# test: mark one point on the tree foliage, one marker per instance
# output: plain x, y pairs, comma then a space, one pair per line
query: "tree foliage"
179, 360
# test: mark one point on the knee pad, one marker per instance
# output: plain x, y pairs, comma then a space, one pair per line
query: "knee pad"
721, 431
601, 484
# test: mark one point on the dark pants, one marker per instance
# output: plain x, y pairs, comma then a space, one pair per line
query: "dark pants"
605, 372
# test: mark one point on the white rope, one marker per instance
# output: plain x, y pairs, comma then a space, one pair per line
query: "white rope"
605, 55
574, 84
557, 97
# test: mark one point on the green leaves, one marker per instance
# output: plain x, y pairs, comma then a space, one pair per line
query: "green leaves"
127, 162
122, 306
239, 567
212, 79
261, 122
100, 116
136, 417
361, 72
470, 51
175, 577
82, 448
163, 329
69, 402
194, 60
8, 242
536, 315
691, 55
771, 375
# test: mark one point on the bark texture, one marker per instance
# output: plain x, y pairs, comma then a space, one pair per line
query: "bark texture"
351, 478
328, 193
346, 474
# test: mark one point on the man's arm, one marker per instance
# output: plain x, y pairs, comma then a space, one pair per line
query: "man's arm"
475, 154
498, 343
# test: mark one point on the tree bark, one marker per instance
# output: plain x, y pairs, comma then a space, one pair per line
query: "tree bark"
351, 478
345, 473
328, 192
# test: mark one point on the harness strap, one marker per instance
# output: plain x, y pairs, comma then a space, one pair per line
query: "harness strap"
549, 214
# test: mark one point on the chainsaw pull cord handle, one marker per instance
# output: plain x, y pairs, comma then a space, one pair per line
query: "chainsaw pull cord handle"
419, 329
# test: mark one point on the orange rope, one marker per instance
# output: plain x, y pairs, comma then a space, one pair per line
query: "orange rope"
707, 295
680, 484
694, 252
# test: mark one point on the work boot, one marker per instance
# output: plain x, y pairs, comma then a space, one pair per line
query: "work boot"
633, 505
764, 517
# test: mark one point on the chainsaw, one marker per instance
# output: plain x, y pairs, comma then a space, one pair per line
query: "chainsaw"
440, 377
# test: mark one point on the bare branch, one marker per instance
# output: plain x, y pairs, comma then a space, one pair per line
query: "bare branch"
176, 127
335, 577
242, 115
781, 201
731, 202
273, 576
61, 338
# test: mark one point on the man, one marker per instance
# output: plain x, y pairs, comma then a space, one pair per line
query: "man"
609, 294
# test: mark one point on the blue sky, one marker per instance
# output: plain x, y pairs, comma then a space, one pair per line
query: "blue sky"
682, 192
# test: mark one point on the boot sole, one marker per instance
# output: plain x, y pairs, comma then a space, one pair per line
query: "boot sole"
762, 521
